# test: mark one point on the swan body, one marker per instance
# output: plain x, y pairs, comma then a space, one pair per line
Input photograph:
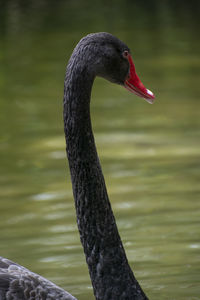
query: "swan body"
18, 283
99, 54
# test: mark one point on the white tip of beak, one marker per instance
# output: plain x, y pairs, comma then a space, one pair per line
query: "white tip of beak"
149, 92
152, 99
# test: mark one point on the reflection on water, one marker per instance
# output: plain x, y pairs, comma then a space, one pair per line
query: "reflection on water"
150, 154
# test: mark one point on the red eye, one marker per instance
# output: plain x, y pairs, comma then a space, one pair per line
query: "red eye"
125, 53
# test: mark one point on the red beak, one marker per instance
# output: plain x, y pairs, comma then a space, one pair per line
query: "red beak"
134, 85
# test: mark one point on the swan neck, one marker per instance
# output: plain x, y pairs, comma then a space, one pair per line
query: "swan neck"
109, 270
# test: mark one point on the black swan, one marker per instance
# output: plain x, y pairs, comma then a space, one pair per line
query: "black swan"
98, 54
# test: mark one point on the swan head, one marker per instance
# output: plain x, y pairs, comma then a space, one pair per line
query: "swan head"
110, 58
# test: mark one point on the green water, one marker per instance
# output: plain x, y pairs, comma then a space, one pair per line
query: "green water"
149, 153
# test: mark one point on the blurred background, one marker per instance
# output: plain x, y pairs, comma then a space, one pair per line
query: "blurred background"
149, 153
